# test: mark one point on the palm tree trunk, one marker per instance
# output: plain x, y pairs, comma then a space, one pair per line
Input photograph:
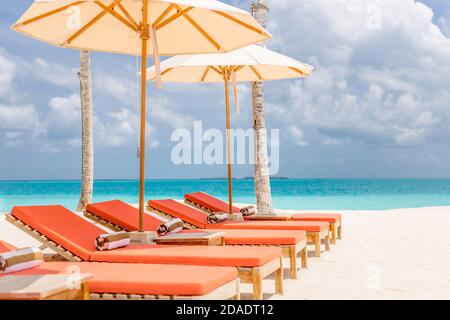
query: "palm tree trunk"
260, 11
87, 167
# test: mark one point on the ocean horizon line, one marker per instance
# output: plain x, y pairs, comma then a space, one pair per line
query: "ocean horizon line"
224, 178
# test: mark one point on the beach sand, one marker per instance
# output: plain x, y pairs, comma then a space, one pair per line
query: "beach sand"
396, 254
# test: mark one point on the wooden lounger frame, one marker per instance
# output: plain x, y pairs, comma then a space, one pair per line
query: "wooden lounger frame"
253, 275
335, 227
313, 237
229, 291
289, 251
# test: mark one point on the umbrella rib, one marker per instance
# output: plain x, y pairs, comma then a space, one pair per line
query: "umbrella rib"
49, 13
128, 15
203, 32
298, 70
256, 72
238, 68
166, 71
242, 23
216, 70
88, 25
163, 73
172, 18
164, 14
205, 73
110, 10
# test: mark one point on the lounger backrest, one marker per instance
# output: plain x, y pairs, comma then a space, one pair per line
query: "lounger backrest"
62, 226
123, 215
179, 210
209, 202
6, 247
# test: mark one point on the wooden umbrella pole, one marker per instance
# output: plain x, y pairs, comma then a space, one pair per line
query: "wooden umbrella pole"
228, 125
144, 38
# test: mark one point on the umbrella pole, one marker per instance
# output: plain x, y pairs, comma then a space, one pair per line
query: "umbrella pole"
144, 38
228, 124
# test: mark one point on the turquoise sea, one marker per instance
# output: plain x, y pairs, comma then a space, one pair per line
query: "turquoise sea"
320, 194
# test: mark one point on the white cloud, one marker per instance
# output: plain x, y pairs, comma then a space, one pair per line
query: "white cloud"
170, 114
121, 128
7, 72
327, 141
444, 22
123, 89
298, 136
41, 69
375, 86
18, 125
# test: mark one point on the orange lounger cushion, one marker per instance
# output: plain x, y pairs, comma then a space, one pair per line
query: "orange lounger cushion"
331, 218
143, 278
190, 255
6, 247
263, 237
307, 226
209, 202
180, 210
216, 205
61, 226
122, 215
126, 217
77, 235
198, 219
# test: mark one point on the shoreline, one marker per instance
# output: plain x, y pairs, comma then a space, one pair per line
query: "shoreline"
385, 254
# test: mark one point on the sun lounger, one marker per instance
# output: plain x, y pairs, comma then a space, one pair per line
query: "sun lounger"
118, 216
210, 204
316, 231
145, 281
73, 237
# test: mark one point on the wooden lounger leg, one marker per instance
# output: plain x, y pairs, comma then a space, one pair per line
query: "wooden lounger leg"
85, 292
327, 242
279, 278
304, 257
238, 291
340, 231
257, 284
333, 233
293, 261
317, 244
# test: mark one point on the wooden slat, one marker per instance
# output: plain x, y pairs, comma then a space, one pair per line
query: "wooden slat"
38, 287
58, 249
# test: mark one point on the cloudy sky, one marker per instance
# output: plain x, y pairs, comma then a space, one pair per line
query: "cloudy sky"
378, 104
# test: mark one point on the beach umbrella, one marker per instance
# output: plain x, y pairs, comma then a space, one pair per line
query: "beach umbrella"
251, 63
141, 28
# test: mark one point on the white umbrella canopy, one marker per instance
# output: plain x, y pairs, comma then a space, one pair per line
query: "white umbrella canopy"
144, 28
251, 63
181, 26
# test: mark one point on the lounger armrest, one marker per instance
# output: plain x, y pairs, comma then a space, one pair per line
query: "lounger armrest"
193, 239
268, 218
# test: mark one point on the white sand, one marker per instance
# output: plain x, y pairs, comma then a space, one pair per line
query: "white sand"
397, 254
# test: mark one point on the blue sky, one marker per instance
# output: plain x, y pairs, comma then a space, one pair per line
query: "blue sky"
378, 104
